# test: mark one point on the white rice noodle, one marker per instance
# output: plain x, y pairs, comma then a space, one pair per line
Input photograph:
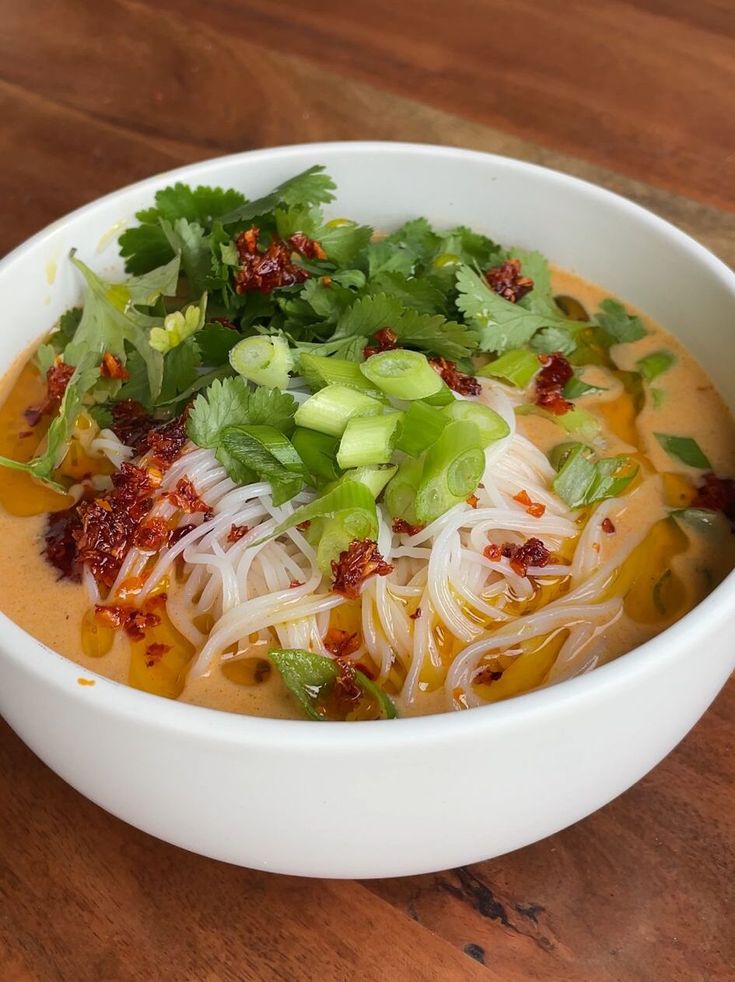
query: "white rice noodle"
274, 591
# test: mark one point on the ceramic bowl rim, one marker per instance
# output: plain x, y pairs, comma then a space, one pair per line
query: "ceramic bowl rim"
597, 686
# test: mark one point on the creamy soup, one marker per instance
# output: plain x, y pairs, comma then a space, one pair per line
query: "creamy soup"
670, 569
290, 468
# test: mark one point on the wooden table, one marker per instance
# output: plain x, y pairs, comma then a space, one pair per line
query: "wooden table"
634, 95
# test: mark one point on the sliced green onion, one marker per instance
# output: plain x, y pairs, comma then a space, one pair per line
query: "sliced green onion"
265, 360
319, 371
685, 449
491, 425
318, 452
330, 409
576, 420
368, 440
517, 367
400, 494
402, 374
267, 452
582, 481
701, 519
655, 364
575, 388
559, 454
441, 398
310, 679
374, 478
338, 532
346, 495
452, 470
422, 425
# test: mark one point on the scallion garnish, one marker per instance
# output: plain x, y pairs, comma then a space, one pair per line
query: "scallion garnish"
685, 449
265, 360
583, 481
492, 426
402, 374
422, 425
330, 409
452, 470
368, 440
517, 367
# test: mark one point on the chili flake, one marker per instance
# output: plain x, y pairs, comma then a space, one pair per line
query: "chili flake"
472, 501
306, 246
356, 564
385, 339
550, 381
533, 508
155, 652
341, 643
607, 526
718, 494
265, 270
506, 280
532, 553
132, 620
237, 532
109, 524
401, 527
112, 367
60, 549
186, 499
416, 614
466, 385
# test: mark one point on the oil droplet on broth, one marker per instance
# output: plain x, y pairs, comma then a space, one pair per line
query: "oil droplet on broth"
653, 593
528, 670
97, 636
160, 670
20, 494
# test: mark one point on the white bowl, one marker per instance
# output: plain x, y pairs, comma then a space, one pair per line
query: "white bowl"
413, 795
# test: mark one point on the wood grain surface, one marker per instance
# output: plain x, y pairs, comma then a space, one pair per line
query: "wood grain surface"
635, 95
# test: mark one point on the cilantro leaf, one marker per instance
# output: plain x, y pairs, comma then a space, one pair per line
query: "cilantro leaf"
551, 339
180, 369
471, 248
189, 241
384, 257
230, 402
59, 432
66, 328
501, 325
417, 238
136, 386
215, 342
146, 246
310, 678
436, 335
311, 187
576, 387
427, 332
618, 325
225, 403
541, 298
367, 315
101, 415
685, 449
343, 241
201, 204
420, 293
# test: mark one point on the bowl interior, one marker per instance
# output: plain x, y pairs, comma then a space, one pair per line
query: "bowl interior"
604, 238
